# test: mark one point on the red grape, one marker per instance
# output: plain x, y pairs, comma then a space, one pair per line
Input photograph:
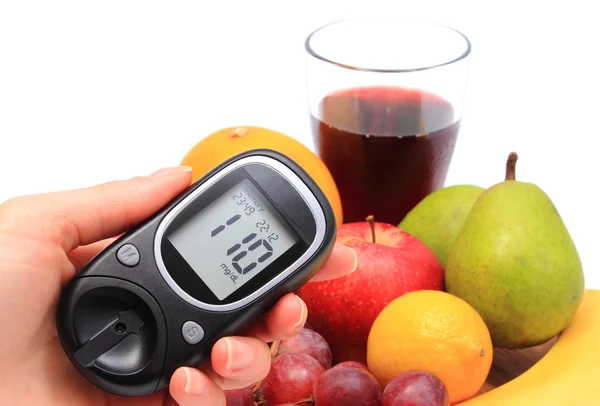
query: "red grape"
291, 378
347, 386
308, 342
415, 388
239, 397
351, 364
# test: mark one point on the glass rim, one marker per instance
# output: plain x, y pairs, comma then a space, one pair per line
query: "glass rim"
314, 54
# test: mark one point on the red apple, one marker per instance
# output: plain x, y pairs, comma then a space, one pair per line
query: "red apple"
390, 263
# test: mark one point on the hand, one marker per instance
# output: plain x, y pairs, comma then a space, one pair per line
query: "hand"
45, 239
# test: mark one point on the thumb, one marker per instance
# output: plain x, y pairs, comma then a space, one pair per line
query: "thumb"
83, 216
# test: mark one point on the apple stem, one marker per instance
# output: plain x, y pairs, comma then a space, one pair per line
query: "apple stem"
511, 166
371, 220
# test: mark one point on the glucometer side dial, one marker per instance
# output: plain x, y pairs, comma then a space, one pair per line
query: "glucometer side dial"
143, 307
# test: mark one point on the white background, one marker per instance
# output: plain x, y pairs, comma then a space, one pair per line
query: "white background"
97, 90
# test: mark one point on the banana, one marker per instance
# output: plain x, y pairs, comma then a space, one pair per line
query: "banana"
567, 375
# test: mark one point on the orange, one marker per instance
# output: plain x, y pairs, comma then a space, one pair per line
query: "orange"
225, 143
436, 332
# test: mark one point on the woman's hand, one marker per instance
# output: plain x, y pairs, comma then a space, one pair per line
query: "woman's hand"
45, 239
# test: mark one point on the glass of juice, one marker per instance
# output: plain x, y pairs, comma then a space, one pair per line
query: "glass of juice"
386, 101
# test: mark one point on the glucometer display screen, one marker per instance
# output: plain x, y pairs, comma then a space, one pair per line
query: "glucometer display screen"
233, 239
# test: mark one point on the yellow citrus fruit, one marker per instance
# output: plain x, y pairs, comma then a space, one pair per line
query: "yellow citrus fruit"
225, 143
432, 331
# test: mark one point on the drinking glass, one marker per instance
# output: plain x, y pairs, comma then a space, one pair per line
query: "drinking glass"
386, 100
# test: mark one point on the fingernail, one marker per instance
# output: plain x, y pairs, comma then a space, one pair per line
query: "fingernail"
173, 169
240, 355
303, 312
194, 385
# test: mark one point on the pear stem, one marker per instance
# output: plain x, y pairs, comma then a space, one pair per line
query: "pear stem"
511, 166
371, 220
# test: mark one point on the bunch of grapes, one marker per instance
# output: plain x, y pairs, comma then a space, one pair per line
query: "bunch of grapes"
302, 373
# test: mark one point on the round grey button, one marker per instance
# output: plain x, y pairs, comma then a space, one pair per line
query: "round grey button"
192, 332
128, 255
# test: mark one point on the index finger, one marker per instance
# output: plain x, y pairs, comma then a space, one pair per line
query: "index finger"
84, 216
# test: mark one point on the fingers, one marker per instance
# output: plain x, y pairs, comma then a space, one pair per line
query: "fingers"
239, 361
283, 320
190, 387
83, 216
342, 261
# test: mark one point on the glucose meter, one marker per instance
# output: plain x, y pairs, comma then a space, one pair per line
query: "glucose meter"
207, 265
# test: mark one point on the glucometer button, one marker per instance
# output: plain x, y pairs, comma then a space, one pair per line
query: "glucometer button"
192, 332
128, 255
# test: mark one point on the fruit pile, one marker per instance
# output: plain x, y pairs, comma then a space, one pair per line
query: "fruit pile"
302, 374
416, 318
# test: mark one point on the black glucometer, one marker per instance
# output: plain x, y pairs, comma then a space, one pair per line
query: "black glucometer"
207, 265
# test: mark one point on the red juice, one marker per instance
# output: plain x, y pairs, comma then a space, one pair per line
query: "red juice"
386, 147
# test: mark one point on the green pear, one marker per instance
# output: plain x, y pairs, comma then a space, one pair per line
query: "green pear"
438, 218
515, 262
